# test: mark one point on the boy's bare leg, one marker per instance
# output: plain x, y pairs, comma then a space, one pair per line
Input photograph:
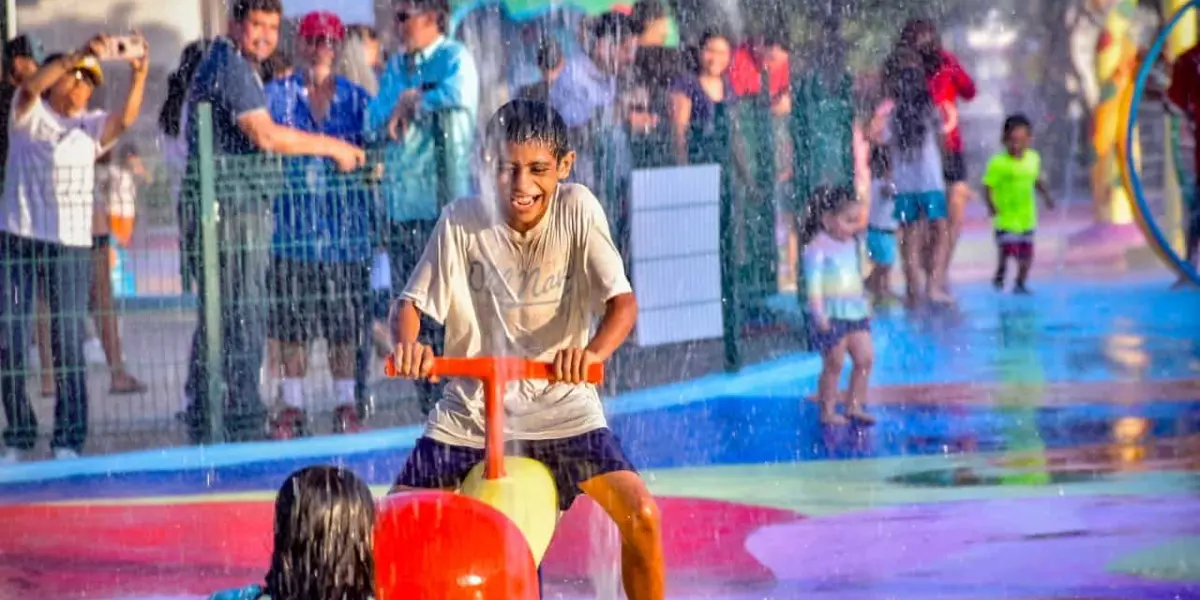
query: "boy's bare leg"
862, 359
624, 496
1024, 264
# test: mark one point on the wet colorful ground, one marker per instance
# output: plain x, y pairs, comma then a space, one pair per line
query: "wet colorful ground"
1028, 448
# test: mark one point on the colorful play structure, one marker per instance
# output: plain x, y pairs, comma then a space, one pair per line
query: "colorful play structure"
486, 540
1176, 35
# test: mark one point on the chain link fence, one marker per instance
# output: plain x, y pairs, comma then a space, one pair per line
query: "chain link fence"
277, 271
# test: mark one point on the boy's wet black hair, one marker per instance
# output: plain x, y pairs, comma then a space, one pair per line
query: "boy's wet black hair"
1015, 122
825, 200
324, 521
527, 121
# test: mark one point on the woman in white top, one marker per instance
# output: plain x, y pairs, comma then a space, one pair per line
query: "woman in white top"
46, 233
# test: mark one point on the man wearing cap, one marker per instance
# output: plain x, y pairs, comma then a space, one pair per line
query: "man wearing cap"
46, 232
433, 85
228, 80
321, 246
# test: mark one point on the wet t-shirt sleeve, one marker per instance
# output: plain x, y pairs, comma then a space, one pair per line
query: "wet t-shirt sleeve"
429, 286
603, 266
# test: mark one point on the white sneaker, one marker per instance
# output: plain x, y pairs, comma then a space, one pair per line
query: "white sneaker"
10, 456
65, 454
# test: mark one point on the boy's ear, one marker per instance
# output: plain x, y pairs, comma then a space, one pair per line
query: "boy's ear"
565, 164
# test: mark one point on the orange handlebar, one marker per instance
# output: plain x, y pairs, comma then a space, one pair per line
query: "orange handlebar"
495, 373
484, 368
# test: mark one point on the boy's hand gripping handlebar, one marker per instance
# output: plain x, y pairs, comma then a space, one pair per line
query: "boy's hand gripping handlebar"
495, 373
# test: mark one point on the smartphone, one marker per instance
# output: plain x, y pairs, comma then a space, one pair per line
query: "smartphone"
124, 47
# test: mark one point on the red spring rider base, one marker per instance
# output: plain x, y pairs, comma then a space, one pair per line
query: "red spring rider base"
444, 546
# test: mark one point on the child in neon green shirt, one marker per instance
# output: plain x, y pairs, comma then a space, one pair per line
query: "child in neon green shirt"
1010, 181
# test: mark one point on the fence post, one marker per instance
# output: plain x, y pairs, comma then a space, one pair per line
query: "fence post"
211, 283
731, 310
441, 160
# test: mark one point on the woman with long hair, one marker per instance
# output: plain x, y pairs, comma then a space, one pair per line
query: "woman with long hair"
696, 96
948, 84
913, 137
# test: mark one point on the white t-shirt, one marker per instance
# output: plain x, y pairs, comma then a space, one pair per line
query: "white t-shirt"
51, 174
917, 170
503, 293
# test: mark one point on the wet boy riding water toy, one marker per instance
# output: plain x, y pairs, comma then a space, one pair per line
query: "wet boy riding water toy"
520, 487
471, 547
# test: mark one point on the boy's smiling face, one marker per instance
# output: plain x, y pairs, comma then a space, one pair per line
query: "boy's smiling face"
527, 175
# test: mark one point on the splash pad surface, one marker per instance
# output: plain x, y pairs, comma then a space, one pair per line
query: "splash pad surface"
1027, 448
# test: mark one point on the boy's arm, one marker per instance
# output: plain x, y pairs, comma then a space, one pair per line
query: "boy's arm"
1047, 197
989, 180
427, 292
604, 272
620, 315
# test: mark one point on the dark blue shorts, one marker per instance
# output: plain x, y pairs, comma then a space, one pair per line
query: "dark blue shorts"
572, 461
824, 341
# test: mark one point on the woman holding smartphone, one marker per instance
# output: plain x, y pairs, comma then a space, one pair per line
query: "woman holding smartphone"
46, 232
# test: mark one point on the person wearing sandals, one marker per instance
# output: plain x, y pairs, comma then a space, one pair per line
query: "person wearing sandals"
839, 320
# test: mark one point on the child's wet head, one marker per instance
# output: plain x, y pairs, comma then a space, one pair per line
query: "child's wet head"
840, 211
1018, 133
324, 518
527, 146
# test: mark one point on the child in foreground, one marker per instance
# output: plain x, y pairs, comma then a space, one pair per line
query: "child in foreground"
1011, 178
839, 318
324, 519
881, 228
527, 273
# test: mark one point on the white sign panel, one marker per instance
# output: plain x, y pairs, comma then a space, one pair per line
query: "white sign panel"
675, 247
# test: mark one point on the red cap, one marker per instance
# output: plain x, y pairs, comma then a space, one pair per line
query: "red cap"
322, 24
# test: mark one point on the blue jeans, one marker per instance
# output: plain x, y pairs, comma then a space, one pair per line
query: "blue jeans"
244, 241
64, 276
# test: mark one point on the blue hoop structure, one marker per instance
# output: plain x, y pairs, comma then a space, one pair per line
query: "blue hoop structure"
1135, 180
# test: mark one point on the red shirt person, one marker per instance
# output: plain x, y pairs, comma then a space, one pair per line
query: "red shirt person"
948, 84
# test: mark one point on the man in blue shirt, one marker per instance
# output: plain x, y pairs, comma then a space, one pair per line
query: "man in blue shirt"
432, 88
321, 247
228, 80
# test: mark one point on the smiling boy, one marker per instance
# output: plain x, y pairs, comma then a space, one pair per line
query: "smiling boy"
527, 274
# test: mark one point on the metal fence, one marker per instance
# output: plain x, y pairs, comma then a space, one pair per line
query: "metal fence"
231, 297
